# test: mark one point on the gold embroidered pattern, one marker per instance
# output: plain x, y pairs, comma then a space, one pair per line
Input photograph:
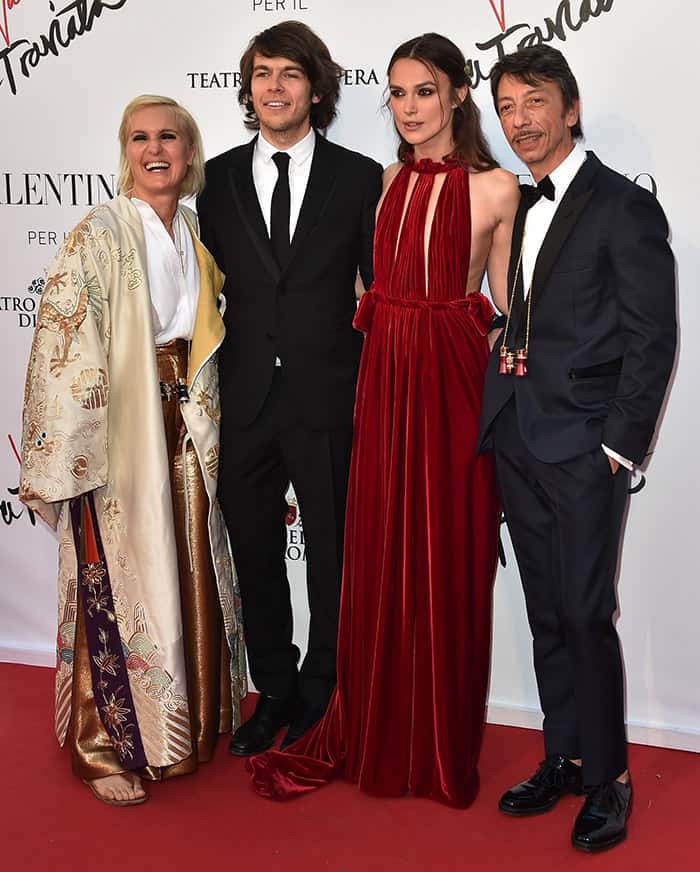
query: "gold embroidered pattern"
206, 392
116, 713
79, 466
127, 267
62, 314
111, 526
144, 658
65, 637
78, 236
211, 461
90, 388
93, 579
164, 728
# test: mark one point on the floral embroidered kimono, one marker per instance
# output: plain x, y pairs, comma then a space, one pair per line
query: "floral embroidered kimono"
95, 466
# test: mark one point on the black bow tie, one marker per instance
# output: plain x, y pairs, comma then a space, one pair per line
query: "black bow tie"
532, 193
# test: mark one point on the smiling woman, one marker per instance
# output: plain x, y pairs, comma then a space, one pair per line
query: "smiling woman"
161, 151
157, 154
120, 452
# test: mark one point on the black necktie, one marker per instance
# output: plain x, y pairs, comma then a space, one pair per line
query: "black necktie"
279, 210
530, 194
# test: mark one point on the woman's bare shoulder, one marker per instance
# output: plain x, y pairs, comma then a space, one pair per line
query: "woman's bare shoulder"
498, 187
498, 180
390, 173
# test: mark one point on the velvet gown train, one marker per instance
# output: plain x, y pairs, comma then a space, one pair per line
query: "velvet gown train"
422, 519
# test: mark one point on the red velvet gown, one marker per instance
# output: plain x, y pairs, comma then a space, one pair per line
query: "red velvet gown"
421, 526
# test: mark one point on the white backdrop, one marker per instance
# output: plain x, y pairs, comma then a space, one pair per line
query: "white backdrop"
68, 67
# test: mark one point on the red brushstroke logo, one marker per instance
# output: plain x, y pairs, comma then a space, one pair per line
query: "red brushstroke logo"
14, 448
499, 10
7, 6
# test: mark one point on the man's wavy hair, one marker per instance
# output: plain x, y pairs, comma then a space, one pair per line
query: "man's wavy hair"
296, 42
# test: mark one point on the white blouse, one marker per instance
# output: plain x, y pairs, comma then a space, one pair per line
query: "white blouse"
173, 274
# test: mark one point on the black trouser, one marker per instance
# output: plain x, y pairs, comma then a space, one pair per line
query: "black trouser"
257, 463
565, 521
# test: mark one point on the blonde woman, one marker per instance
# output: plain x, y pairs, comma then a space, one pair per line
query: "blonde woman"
119, 455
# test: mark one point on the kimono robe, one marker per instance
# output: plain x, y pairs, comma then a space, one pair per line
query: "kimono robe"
93, 424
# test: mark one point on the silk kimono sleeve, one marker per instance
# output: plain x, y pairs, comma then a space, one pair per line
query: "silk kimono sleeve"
65, 432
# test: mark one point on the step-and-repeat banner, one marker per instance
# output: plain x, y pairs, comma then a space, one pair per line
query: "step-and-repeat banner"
68, 67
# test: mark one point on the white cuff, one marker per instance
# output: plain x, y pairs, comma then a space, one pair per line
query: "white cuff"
623, 461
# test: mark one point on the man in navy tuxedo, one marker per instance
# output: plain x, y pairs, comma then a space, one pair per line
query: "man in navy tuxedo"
573, 391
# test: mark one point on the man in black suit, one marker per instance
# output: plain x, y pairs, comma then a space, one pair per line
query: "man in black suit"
573, 390
289, 218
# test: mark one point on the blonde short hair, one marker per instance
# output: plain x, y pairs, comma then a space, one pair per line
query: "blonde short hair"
194, 179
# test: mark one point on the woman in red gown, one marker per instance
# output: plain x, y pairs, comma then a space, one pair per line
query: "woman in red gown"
422, 517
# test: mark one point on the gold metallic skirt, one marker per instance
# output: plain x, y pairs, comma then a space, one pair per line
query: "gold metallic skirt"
206, 651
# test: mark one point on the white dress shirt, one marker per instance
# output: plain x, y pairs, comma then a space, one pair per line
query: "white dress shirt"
265, 175
539, 216
173, 275
537, 223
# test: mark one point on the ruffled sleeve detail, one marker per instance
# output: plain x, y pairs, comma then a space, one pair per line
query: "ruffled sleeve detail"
482, 312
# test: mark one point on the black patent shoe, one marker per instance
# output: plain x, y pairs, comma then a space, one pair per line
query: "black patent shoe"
258, 733
308, 718
556, 776
602, 822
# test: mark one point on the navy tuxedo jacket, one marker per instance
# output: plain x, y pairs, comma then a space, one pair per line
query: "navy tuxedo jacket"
603, 324
302, 313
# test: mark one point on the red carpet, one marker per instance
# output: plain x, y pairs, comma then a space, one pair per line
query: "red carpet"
213, 820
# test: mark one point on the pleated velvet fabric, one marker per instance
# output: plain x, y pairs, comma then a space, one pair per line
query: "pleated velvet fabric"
422, 521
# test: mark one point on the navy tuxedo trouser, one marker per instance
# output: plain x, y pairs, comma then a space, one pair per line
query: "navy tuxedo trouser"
565, 521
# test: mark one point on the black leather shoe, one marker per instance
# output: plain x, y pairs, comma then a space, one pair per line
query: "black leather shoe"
258, 733
309, 716
555, 777
602, 822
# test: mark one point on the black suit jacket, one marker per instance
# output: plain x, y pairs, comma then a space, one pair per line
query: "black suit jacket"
603, 328
303, 313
